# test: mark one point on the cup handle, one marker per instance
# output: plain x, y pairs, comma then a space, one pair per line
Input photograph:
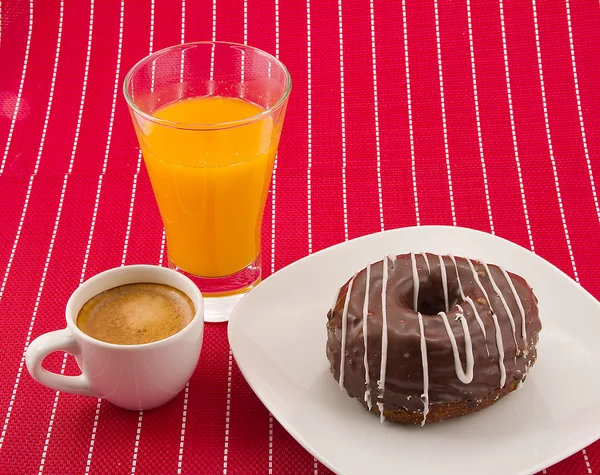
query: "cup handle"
42, 346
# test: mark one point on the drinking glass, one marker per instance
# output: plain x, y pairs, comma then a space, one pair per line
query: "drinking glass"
208, 118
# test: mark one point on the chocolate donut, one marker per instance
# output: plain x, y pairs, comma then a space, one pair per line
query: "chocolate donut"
454, 335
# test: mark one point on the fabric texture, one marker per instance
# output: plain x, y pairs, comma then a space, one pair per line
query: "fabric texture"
405, 112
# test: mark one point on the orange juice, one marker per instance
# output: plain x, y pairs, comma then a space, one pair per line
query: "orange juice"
210, 183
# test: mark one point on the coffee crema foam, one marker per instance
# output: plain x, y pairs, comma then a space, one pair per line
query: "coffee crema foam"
134, 314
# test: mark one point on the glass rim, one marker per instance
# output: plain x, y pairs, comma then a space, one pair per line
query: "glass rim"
221, 125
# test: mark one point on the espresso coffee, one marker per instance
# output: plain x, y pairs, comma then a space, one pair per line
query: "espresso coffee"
137, 313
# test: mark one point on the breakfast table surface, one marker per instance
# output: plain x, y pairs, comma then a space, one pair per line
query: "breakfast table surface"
481, 114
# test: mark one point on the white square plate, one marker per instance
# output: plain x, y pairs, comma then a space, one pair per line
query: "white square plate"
277, 335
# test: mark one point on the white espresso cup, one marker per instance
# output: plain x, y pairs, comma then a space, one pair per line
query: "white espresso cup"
136, 377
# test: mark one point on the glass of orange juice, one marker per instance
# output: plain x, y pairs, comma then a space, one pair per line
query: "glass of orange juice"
208, 117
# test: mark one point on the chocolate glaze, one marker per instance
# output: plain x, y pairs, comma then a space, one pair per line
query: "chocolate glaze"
404, 378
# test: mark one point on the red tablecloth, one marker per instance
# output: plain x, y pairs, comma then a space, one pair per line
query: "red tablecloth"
404, 112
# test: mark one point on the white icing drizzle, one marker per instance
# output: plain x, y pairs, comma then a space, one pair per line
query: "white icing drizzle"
478, 282
504, 304
469, 300
444, 281
384, 338
424, 254
465, 376
500, 346
519, 304
479, 321
366, 361
415, 274
499, 343
425, 395
460, 287
345, 331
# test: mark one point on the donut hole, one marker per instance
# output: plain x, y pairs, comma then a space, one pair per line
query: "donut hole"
431, 297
